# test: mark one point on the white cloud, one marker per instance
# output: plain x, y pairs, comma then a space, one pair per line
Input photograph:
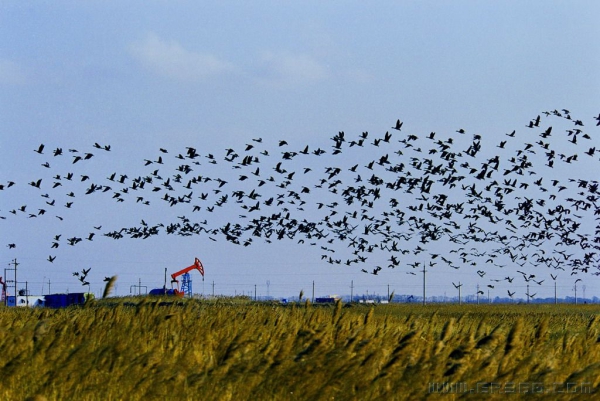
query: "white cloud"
170, 59
11, 73
288, 69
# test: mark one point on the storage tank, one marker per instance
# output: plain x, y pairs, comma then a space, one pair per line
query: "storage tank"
163, 291
65, 300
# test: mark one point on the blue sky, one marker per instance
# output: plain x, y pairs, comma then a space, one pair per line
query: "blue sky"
214, 75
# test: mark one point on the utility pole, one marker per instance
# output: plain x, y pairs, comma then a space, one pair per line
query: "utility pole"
139, 287
424, 271
255, 292
165, 285
388, 292
458, 286
576, 290
351, 290
15, 264
44, 283
268, 285
312, 300
213, 289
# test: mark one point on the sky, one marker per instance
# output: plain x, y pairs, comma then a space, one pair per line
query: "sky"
141, 76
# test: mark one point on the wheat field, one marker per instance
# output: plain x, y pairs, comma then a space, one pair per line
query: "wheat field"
235, 349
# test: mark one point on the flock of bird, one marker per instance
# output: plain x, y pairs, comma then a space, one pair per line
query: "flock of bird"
411, 200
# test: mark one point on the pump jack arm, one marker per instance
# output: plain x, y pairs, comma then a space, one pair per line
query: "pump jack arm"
197, 265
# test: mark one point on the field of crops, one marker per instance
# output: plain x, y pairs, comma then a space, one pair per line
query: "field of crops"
234, 349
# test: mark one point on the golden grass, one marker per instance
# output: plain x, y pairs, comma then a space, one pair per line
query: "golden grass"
155, 349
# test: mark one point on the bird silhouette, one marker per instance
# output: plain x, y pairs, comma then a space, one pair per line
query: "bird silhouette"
429, 192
